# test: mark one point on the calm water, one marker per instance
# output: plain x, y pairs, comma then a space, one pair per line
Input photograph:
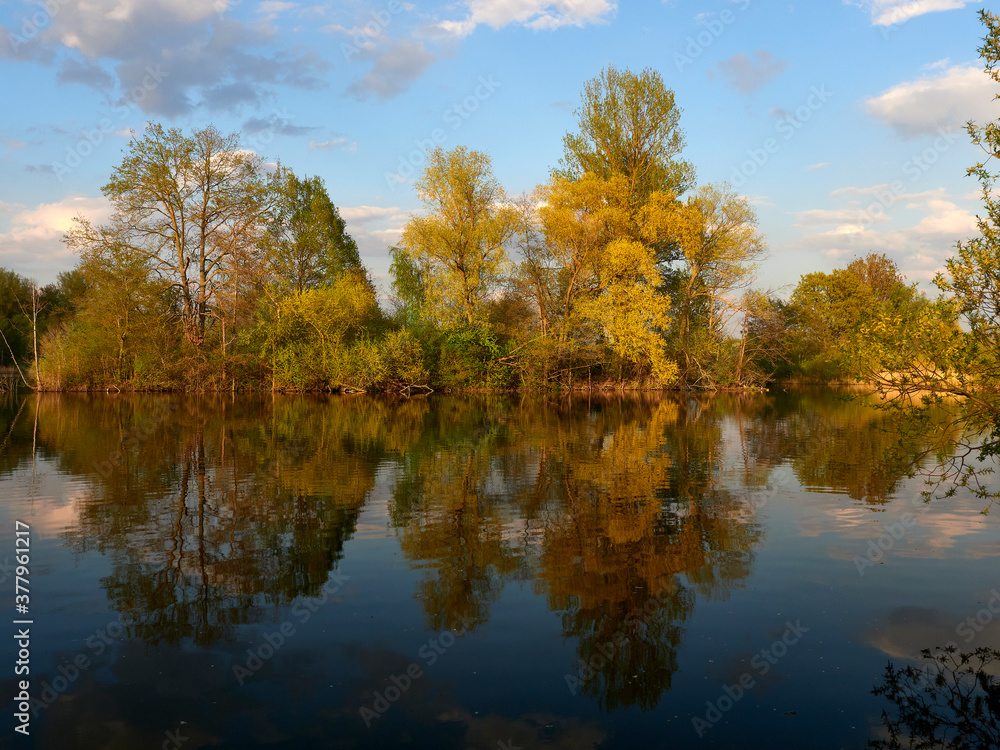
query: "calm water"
474, 573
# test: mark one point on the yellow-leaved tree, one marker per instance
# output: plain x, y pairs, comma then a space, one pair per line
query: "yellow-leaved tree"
461, 241
630, 309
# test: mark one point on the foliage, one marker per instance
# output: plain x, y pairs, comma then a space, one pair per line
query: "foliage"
618, 270
831, 309
15, 321
952, 703
719, 247
123, 332
471, 357
921, 357
461, 243
630, 127
305, 242
630, 311
317, 338
191, 206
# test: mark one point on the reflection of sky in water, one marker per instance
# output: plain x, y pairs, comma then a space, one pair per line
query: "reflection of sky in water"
540, 529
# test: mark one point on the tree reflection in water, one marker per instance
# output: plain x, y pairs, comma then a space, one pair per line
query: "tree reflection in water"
952, 702
613, 509
621, 512
221, 509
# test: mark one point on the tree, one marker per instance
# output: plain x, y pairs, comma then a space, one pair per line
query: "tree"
590, 263
306, 243
119, 333
409, 286
15, 295
629, 126
830, 309
763, 348
715, 233
578, 220
950, 701
462, 241
190, 205
310, 337
630, 310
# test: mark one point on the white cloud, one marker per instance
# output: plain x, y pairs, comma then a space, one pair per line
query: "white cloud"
946, 101
946, 219
181, 52
271, 9
917, 230
848, 216
389, 236
892, 12
32, 244
539, 15
363, 214
332, 144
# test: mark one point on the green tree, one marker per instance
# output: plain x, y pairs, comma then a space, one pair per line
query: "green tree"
409, 287
629, 125
119, 333
306, 243
830, 309
15, 298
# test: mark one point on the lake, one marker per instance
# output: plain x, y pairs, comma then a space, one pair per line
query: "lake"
475, 572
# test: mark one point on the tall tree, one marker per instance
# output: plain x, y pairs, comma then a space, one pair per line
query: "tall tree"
463, 238
629, 126
306, 243
190, 205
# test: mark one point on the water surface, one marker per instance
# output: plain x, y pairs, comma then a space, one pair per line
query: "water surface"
356, 572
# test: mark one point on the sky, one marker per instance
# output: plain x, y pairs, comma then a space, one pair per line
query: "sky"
842, 121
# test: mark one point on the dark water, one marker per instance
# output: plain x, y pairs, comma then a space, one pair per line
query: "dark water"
474, 573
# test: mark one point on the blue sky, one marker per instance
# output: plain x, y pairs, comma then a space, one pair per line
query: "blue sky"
841, 120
